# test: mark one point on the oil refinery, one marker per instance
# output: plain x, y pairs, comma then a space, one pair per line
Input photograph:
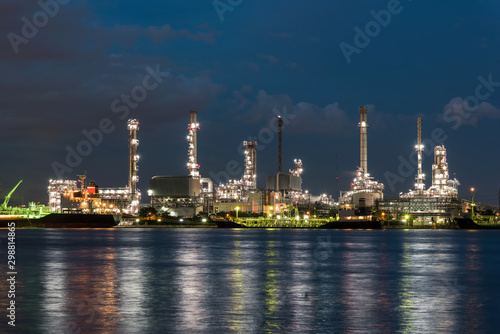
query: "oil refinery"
283, 196
186, 196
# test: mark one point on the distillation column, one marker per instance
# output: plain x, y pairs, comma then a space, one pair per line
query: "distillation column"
419, 148
133, 126
363, 133
193, 128
440, 174
250, 175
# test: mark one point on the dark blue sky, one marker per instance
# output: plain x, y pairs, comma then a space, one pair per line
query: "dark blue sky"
426, 59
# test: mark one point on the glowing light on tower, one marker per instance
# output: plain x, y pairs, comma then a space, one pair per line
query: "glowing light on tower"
363, 185
440, 174
299, 169
133, 126
192, 164
250, 175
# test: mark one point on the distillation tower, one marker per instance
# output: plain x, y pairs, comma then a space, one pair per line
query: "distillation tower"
239, 189
436, 204
419, 148
250, 175
133, 126
442, 186
363, 139
364, 190
193, 127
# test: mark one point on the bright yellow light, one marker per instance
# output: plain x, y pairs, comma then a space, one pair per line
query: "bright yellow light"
406, 217
471, 189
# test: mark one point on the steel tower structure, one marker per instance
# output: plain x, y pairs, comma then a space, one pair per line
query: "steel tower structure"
250, 175
193, 128
420, 177
363, 136
133, 126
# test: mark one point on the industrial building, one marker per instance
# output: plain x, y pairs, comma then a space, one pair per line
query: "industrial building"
435, 205
364, 190
188, 195
66, 196
191, 194
182, 196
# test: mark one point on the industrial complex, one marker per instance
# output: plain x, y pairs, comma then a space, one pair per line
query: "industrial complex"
186, 196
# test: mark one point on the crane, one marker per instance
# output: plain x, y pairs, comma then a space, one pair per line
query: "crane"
7, 198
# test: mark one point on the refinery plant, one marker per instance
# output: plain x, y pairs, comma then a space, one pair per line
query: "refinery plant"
186, 196
66, 196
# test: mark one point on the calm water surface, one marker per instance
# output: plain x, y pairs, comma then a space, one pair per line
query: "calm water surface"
254, 281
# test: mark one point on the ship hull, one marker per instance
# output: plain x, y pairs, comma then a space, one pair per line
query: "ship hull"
348, 224
76, 220
469, 224
353, 224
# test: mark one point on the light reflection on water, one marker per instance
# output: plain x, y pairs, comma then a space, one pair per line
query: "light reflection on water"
255, 281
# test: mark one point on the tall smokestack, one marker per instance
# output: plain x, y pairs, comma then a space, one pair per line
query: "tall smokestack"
133, 126
363, 127
193, 128
280, 143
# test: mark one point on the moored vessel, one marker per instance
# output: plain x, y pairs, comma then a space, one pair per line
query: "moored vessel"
466, 223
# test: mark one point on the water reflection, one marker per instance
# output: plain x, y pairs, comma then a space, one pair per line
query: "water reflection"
474, 305
428, 295
359, 264
191, 284
131, 282
54, 282
300, 286
197, 281
80, 292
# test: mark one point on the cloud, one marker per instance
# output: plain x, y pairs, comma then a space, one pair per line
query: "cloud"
330, 120
72, 33
272, 59
308, 118
161, 33
283, 35
458, 111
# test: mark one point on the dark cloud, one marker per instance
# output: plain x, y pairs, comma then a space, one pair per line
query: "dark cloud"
461, 112
235, 73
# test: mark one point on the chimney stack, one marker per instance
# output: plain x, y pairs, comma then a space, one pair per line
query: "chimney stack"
363, 127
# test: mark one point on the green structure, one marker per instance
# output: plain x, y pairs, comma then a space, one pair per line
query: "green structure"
4, 206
